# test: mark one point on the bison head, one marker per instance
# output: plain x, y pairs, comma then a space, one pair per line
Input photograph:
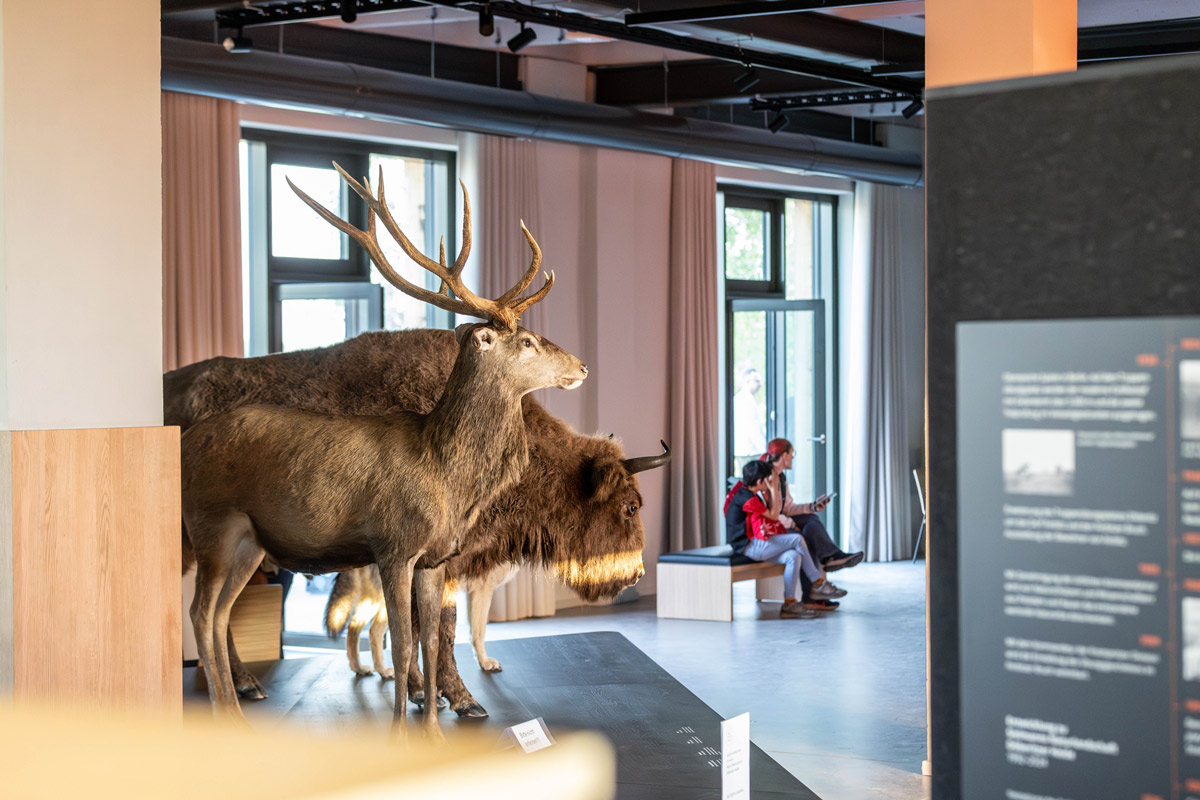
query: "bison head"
601, 553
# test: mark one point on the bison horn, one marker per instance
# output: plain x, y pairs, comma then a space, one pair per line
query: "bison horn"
643, 463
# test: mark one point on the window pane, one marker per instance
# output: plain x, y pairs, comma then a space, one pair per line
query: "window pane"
798, 249
404, 180
749, 387
798, 423
317, 323
296, 230
746, 232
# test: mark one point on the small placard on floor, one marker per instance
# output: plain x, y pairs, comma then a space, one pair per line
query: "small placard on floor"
530, 736
735, 758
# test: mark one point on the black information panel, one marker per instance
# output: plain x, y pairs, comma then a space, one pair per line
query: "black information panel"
1079, 558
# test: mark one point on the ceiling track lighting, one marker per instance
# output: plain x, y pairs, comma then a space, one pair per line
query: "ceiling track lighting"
913, 108
747, 80
487, 23
519, 42
778, 122
349, 11
238, 43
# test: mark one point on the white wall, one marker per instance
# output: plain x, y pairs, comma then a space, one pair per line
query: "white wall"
80, 215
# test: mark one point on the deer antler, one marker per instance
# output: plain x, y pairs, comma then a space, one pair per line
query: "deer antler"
504, 312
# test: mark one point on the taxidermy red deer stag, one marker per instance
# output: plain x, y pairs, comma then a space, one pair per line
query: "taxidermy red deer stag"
321, 493
576, 511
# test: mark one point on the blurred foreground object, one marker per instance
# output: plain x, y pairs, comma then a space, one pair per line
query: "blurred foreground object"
74, 753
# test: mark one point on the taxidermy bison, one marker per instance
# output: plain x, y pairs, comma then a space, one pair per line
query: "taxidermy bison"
574, 512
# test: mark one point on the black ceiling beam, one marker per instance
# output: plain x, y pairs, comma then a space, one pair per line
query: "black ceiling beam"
553, 17
693, 82
851, 98
810, 32
451, 62
279, 13
1109, 42
743, 10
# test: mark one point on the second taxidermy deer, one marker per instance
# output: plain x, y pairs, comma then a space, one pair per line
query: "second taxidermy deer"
321, 493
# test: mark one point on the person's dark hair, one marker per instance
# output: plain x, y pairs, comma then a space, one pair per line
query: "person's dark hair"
755, 471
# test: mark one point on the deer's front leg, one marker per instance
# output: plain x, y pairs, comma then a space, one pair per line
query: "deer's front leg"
397, 578
430, 583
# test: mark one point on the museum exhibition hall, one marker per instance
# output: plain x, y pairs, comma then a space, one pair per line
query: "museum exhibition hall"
584, 400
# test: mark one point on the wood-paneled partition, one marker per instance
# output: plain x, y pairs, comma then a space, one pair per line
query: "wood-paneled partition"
96, 563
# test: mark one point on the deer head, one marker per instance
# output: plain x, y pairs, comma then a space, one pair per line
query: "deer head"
498, 349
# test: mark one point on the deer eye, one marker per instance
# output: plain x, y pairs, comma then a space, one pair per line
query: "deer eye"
527, 342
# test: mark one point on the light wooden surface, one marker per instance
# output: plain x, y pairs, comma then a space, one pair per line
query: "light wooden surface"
96, 564
76, 753
705, 591
257, 622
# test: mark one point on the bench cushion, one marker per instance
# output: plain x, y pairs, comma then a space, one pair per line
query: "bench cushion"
720, 556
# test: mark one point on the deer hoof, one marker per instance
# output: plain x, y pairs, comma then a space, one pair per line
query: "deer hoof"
250, 689
471, 711
418, 699
251, 693
490, 665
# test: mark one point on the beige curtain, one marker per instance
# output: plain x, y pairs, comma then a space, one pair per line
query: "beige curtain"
694, 481
878, 480
508, 193
202, 270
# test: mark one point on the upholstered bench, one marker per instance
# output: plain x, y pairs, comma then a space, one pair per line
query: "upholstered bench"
698, 584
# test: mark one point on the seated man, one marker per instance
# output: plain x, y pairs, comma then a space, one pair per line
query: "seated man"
753, 528
803, 517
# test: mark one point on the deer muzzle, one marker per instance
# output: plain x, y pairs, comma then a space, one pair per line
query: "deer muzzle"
572, 377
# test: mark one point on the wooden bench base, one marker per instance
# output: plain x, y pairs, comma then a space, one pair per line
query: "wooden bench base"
704, 591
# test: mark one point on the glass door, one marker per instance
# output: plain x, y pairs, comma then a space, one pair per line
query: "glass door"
777, 387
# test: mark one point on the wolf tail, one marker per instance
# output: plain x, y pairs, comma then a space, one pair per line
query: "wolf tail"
341, 604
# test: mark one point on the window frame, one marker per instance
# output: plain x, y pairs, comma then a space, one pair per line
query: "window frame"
268, 272
772, 295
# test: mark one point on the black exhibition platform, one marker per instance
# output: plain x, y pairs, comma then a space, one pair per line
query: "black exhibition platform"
667, 741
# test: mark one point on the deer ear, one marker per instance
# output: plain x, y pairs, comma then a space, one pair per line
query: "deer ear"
461, 331
483, 338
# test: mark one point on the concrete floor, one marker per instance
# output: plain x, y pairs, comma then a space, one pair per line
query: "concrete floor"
840, 700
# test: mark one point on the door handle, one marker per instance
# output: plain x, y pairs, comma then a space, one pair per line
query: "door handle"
819, 439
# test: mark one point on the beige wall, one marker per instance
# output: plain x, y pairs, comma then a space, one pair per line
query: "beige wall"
80, 214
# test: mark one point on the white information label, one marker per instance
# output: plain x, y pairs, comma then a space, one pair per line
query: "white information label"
735, 758
532, 735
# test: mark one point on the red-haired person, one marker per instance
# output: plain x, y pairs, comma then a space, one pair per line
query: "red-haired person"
802, 517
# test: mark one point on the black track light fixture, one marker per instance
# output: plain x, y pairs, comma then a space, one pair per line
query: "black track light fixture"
522, 39
748, 79
349, 11
778, 122
238, 43
487, 23
912, 109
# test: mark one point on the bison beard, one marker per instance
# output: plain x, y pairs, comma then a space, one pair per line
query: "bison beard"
575, 512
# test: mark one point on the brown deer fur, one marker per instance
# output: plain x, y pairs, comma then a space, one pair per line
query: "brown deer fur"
575, 510
319, 492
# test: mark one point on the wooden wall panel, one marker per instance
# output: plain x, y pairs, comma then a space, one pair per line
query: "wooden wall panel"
96, 526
